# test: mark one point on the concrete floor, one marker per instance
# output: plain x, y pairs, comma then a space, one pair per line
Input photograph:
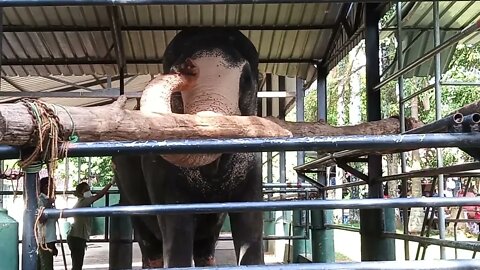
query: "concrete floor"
96, 256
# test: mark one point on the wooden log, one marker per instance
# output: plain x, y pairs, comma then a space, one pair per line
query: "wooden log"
155, 120
114, 123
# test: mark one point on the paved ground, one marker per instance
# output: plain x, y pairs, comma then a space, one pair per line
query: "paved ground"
346, 243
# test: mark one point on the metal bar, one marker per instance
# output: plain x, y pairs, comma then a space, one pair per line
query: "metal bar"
287, 185
77, 28
12, 83
460, 83
102, 61
373, 246
417, 93
432, 172
202, 208
118, 41
439, 125
346, 185
269, 237
326, 143
78, 86
403, 158
438, 113
428, 55
466, 245
29, 245
420, 265
353, 171
418, 28
342, 227
455, 225
298, 216
322, 242
23, 3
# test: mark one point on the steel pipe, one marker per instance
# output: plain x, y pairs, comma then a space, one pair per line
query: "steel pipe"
439, 125
24, 3
392, 265
145, 61
428, 55
471, 122
417, 93
203, 208
326, 143
432, 172
94, 28
466, 245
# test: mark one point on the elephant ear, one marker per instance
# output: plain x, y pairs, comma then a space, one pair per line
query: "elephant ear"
188, 42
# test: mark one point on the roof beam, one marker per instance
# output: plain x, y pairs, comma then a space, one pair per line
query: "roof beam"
70, 88
100, 61
23, 3
14, 84
67, 82
118, 41
114, 93
75, 28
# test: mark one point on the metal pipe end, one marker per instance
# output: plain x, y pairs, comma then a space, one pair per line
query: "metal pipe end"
476, 118
458, 118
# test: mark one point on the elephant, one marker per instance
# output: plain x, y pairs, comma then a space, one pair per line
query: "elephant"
227, 83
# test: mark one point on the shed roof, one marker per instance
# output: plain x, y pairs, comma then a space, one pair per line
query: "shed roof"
77, 40
418, 35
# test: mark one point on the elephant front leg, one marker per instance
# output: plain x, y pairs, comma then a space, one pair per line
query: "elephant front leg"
247, 232
177, 234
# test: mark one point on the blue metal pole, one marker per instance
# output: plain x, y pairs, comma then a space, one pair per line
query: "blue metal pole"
204, 208
326, 143
323, 248
298, 219
373, 246
29, 244
438, 114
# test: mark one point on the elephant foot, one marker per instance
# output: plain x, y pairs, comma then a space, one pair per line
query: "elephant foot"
152, 263
205, 261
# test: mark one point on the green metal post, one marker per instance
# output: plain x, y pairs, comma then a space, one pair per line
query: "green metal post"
298, 216
323, 248
120, 243
374, 247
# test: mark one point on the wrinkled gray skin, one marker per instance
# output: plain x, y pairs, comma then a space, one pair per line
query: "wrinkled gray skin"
185, 240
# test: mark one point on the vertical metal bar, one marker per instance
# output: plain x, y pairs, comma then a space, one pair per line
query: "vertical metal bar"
298, 218
122, 80
403, 159
1, 41
438, 114
1, 182
29, 244
89, 170
373, 245
107, 219
323, 247
79, 159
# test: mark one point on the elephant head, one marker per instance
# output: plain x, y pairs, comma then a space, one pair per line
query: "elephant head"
226, 82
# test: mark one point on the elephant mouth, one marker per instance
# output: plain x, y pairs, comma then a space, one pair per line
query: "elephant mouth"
215, 91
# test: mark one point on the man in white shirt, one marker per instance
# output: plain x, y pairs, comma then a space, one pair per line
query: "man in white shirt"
450, 186
46, 230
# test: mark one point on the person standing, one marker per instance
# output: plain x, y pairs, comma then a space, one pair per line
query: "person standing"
81, 228
46, 231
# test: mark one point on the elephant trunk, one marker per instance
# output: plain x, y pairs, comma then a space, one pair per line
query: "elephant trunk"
211, 93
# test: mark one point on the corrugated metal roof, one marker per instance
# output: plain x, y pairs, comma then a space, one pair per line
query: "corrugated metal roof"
454, 16
144, 49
